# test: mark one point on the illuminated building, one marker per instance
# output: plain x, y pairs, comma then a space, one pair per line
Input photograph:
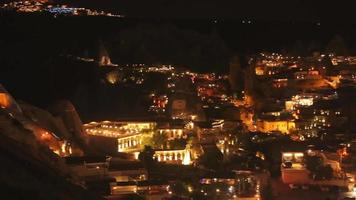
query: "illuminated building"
280, 83
283, 126
303, 100
130, 136
294, 171
180, 156
172, 133
307, 75
129, 142
240, 185
259, 70
124, 171
88, 166
179, 107
131, 187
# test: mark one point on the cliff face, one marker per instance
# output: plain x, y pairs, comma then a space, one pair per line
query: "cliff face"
66, 111
46, 120
29, 169
30, 141
62, 121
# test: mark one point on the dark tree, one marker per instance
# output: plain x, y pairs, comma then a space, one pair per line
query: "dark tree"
337, 46
212, 158
324, 172
313, 163
159, 140
267, 192
236, 74
146, 157
317, 169
179, 143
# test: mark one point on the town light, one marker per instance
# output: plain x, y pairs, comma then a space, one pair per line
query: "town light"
190, 189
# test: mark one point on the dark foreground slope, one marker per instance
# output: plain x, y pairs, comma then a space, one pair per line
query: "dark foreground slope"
30, 170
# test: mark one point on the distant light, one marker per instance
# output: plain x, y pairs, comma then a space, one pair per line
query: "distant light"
231, 189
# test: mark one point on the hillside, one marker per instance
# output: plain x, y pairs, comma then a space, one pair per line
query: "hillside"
29, 170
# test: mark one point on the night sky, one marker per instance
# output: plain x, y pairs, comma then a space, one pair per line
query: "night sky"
281, 10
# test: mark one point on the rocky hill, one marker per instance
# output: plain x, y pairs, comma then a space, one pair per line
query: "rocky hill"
30, 170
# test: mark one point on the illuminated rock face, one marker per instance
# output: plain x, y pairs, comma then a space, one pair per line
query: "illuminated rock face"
67, 113
7, 102
4, 100
61, 133
105, 61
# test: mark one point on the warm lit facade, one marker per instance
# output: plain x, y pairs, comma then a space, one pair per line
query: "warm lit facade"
171, 133
131, 142
128, 134
180, 156
294, 171
280, 83
88, 167
283, 126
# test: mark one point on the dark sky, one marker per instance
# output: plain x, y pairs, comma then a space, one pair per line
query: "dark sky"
298, 10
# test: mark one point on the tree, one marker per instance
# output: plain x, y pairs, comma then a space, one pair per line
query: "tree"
337, 46
313, 163
236, 75
159, 140
178, 143
326, 61
146, 141
212, 158
324, 172
180, 188
146, 157
317, 169
266, 192
155, 140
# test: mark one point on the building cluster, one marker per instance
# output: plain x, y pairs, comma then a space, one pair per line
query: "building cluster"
302, 96
45, 6
195, 108
296, 171
131, 137
192, 113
